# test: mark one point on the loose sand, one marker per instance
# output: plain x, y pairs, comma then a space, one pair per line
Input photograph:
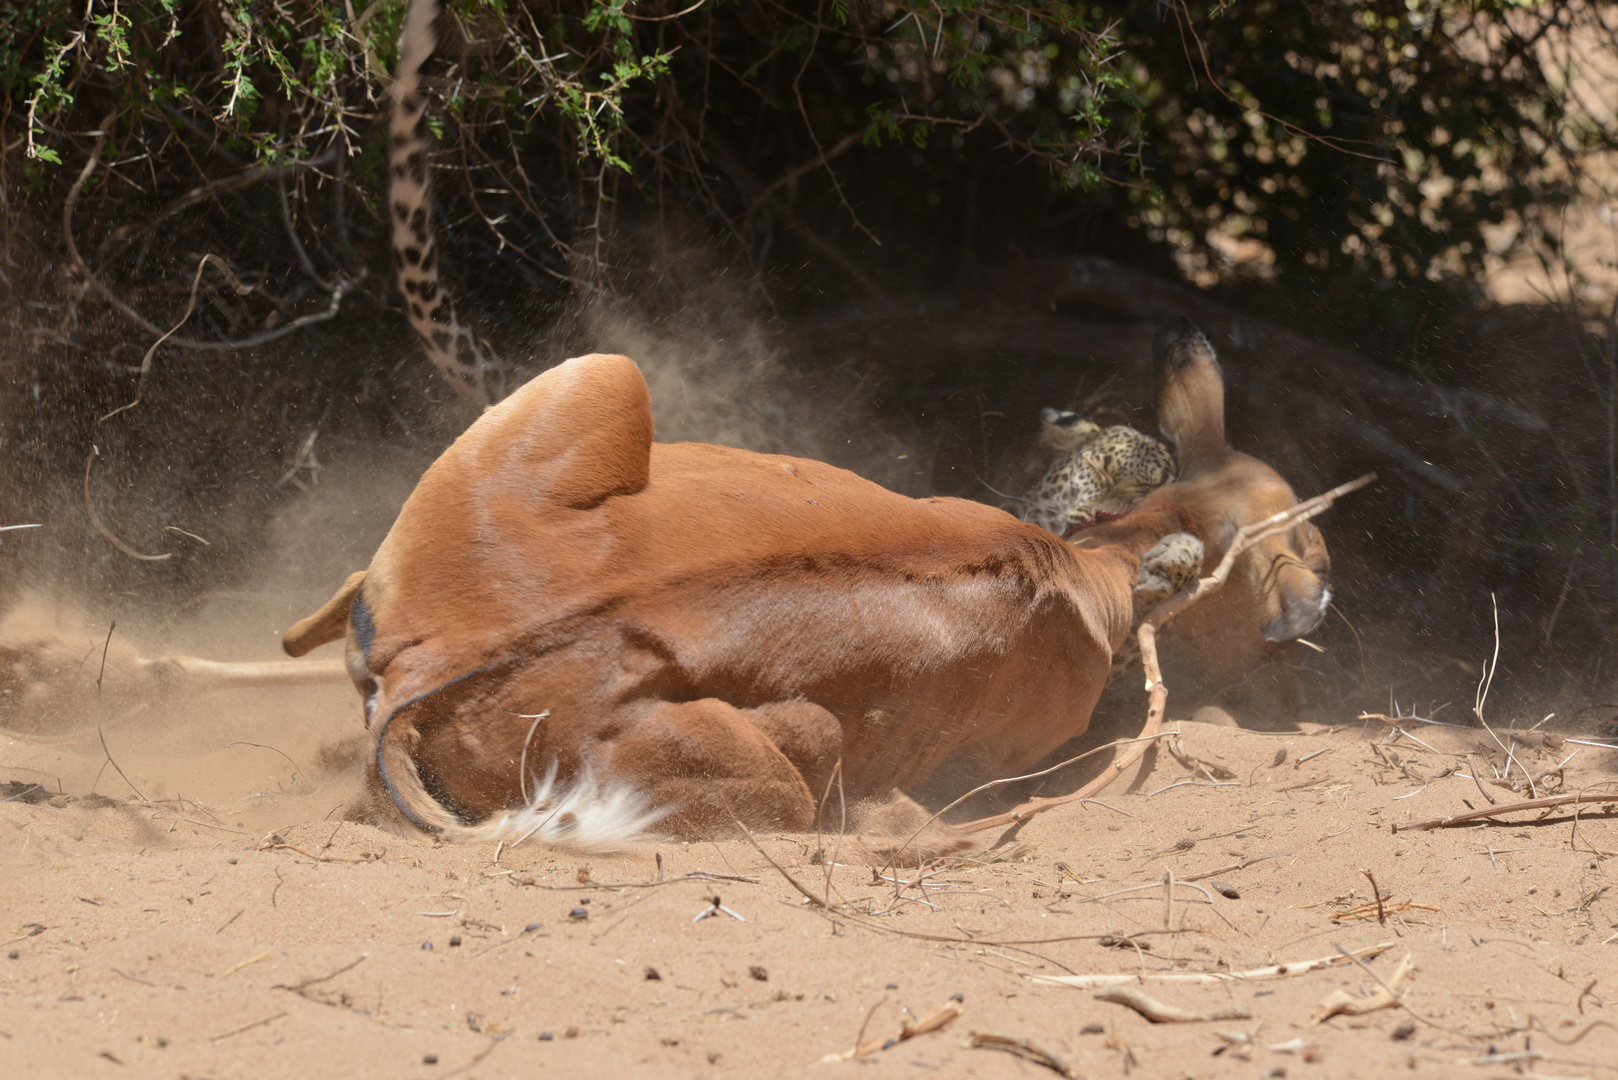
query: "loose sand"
236, 926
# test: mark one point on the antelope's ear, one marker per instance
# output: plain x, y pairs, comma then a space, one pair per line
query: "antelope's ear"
330, 623
1191, 395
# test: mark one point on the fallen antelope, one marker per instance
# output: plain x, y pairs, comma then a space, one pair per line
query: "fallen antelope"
574, 631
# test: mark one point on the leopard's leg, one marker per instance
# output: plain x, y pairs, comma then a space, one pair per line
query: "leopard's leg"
1168, 566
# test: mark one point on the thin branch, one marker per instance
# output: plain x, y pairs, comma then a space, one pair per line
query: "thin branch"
99, 732
1547, 803
95, 452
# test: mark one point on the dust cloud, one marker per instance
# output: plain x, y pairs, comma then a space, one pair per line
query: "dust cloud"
719, 371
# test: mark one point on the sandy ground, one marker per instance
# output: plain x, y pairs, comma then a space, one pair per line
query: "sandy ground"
229, 923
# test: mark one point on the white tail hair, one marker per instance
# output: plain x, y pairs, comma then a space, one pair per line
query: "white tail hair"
582, 814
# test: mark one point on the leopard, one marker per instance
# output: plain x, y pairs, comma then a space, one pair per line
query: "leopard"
1102, 473
468, 363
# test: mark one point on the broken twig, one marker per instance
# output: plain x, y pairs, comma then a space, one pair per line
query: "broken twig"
1159, 1013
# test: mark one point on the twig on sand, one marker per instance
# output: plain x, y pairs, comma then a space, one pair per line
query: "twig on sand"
1389, 987
1029, 809
299, 988
1159, 1013
936, 1020
1376, 894
813, 899
1274, 971
1472, 767
310, 854
988, 1040
1233, 867
1386, 996
223, 1035
1189, 782
1547, 803
103, 735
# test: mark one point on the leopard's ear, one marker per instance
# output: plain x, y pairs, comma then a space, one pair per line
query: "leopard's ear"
1191, 395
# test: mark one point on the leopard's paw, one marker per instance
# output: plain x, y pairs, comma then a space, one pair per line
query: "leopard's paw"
1168, 566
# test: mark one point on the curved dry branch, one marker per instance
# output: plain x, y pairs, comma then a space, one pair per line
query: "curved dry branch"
95, 452
77, 264
196, 282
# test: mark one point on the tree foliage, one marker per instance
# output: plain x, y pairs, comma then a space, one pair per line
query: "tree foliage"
1329, 145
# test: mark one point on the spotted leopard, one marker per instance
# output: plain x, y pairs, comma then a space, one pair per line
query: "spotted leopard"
1103, 472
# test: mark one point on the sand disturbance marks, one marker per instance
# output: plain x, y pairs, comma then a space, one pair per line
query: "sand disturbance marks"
1272, 924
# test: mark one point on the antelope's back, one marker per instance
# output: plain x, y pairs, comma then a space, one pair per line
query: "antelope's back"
591, 571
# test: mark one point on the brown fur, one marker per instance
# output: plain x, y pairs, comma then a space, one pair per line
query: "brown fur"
1277, 592
716, 628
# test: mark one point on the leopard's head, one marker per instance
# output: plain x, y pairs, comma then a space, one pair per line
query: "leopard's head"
1064, 430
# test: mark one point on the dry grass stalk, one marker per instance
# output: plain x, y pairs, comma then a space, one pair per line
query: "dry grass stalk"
1472, 767
1022, 1048
1204, 978
100, 675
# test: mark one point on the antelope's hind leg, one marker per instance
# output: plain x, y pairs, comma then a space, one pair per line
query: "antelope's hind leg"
716, 764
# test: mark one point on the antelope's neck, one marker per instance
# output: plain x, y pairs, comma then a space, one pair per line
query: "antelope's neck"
1136, 531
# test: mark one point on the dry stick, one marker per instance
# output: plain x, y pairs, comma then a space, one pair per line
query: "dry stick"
99, 675
1546, 803
1274, 971
196, 282
791, 175
813, 899
1244, 539
1159, 1013
1414, 1015
75, 261
223, 1035
1472, 767
936, 1020
266, 746
1381, 915
1487, 681
860, 1037
95, 452
820, 847
1012, 817
1022, 1048
299, 988
1232, 868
